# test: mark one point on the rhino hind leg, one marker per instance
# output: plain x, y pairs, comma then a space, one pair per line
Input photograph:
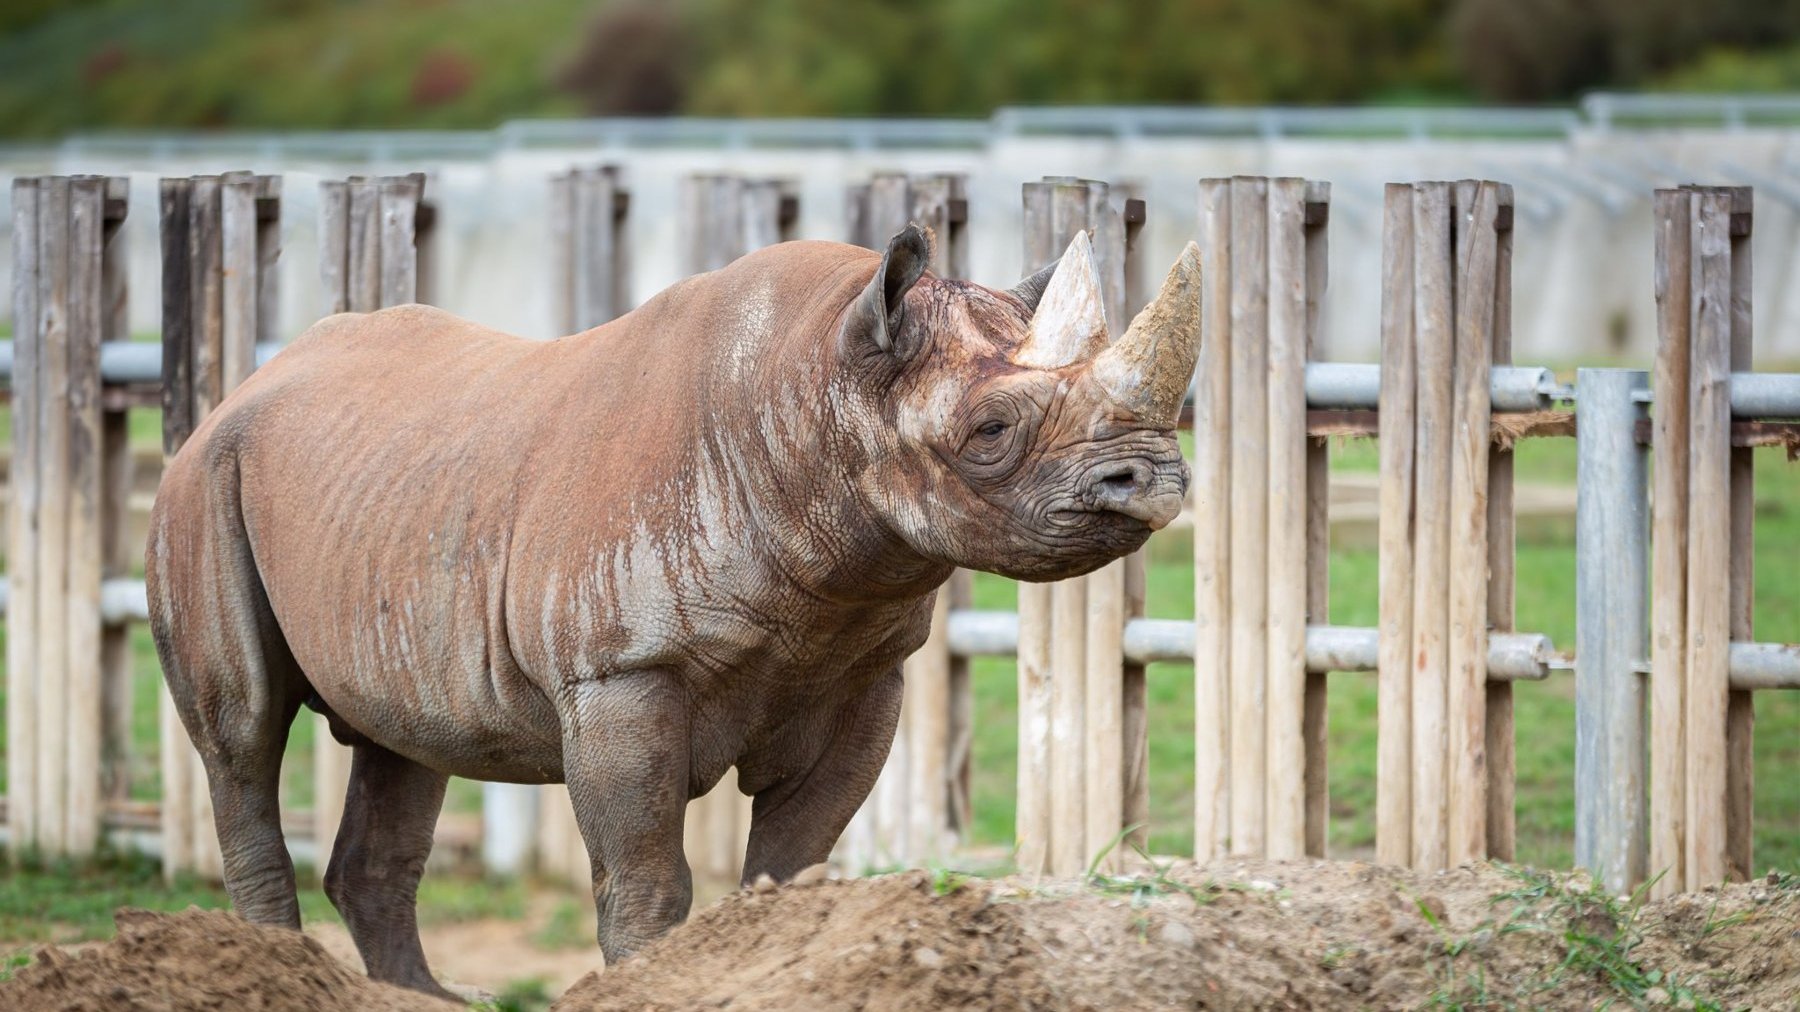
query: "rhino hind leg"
233, 680
373, 877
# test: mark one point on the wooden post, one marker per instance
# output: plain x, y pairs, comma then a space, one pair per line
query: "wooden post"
53, 517
1260, 540
1445, 321
1285, 795
1740, 713
1502, 771
1709, 540
220, 241
178, 420
1210, 491
1399, 384
1434, 356
23, 513
1668, 533
64, 277
1249, 498
86, 321
587, 221
374, 234
1031, 835
117, 553
1476, 212
1318, 533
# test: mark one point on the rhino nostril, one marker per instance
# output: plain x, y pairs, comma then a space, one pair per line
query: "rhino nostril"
1120, 483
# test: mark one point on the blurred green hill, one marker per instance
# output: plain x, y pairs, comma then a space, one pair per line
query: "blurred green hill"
318, 64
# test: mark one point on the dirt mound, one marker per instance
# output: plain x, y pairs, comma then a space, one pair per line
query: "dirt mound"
201, 959
1249, 935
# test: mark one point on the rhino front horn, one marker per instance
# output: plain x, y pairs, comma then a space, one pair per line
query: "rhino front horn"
1069, 324
1148, 370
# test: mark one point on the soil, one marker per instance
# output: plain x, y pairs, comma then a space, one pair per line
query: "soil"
1251, 935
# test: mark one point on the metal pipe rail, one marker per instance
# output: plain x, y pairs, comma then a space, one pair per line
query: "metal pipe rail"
1512, 656
1350, 386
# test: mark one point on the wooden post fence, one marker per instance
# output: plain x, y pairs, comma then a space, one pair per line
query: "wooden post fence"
1082, 727
68, 289
1260, 534
377, 239
1444, 765
220, 241
1701, 728
917, 810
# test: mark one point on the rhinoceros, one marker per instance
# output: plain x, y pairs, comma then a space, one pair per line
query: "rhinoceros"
700, 536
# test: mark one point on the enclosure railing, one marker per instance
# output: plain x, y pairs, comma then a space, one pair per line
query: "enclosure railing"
1663, 791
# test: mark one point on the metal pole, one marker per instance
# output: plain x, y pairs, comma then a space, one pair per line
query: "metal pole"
1611, 619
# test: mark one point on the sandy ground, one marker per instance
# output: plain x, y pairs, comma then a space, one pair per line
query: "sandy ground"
1255, 935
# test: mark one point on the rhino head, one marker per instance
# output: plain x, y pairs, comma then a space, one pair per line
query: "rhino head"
1011, 431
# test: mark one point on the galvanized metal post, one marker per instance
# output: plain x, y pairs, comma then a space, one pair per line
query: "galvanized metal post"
1611, 622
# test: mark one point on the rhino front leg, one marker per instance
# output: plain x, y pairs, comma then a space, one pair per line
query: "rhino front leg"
625, 758
794, 823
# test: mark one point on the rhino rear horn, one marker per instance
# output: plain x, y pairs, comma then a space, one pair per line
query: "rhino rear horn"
874, 318
1030, 291
1069, 324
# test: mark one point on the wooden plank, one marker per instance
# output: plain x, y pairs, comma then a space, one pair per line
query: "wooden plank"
928, 676
334, 244
1209, 500
82, 734
1040, 239
1249, 524
207, 292
176, 197
238, 229
1709, 540
52, 667
1135, 753
621, 265
1466, 699
1399, 380
1068, 713
1668, 566
604, 300
1740, 712
117, 552
586, 290
178, 335
268, 257
562, 250
1501, 754
362, 274
962, 718
425, 230
1285, 787
1103, 745
1318, 535
890, 207
1433, 333
398, 198
762, 211
856, 216
23, 518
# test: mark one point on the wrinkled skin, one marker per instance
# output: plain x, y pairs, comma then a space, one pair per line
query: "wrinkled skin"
703, 535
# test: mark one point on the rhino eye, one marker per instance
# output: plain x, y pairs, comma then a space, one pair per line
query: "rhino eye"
991, 429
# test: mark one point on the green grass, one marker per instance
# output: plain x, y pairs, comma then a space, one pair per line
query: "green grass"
66, 901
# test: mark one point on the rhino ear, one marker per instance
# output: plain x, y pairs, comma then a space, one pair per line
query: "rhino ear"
873, 322
1030, 291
